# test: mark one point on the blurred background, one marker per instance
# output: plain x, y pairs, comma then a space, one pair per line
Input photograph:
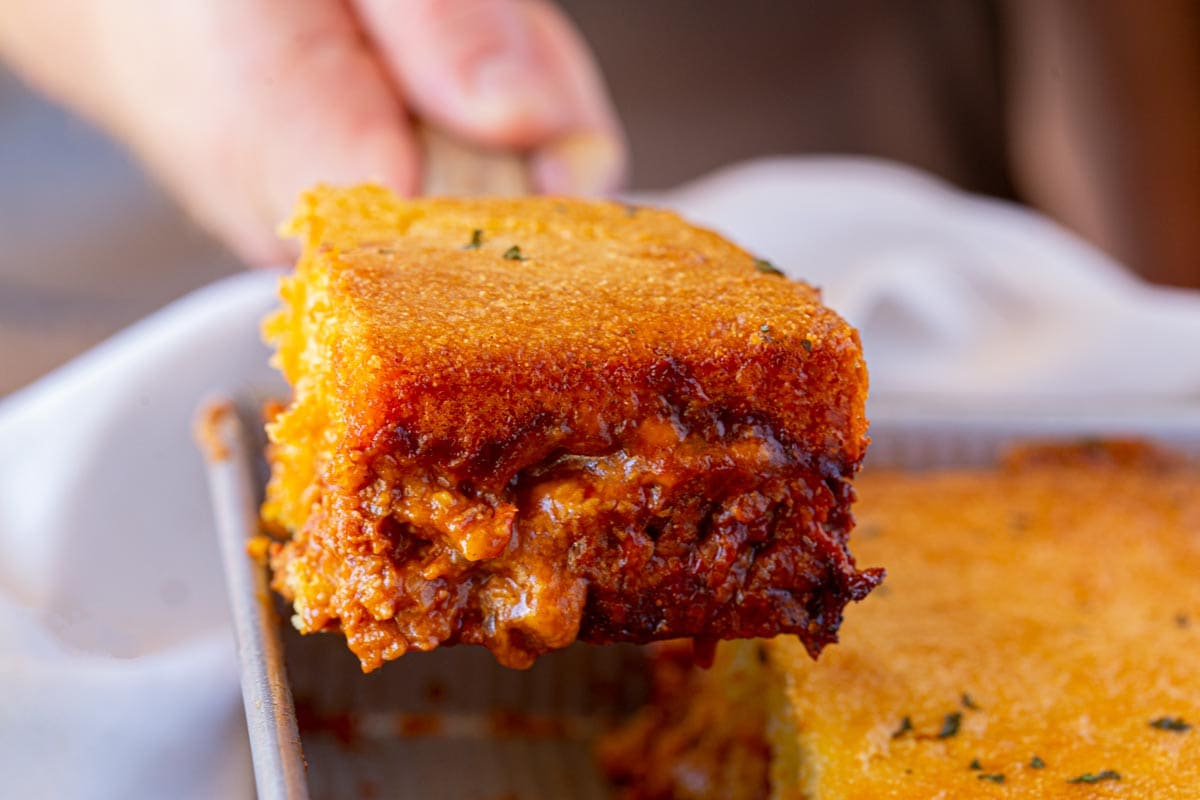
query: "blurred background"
1087, 110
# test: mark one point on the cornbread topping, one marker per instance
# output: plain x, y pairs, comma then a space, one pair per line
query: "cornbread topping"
522, 423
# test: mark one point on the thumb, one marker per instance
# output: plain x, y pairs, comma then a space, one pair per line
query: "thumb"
488, 70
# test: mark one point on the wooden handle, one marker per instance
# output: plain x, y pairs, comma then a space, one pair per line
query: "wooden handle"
454, 168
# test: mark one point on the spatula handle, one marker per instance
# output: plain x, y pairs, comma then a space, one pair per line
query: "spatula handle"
453, 167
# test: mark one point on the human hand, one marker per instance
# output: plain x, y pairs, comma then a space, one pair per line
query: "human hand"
238, 105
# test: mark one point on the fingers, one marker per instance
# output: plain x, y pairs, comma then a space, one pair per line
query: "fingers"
322, 110
254, 103
592, 158
239, 106
505, 74
473, 67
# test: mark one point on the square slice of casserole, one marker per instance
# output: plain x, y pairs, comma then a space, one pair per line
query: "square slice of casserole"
519, 423
1038, 637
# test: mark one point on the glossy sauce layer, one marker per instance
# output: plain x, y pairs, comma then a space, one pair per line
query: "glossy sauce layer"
719, 532
631, 431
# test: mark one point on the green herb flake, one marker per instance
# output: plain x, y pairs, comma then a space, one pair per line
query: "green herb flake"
1037, 763
385, 251
969, 702
631, 210
975, 765
994, 777
807, 345
1174, 724
476, 240
514, 254
906, 726
1096, 777
950, 725
1182, 620
762, 265
765, 328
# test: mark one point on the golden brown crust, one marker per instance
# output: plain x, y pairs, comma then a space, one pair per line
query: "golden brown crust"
639, 375
206, 429
606, 306
1049, 593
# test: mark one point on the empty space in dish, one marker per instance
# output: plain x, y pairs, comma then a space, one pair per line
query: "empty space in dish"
454, 723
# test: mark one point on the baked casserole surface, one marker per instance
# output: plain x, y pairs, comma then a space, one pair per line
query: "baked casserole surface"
519, 423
